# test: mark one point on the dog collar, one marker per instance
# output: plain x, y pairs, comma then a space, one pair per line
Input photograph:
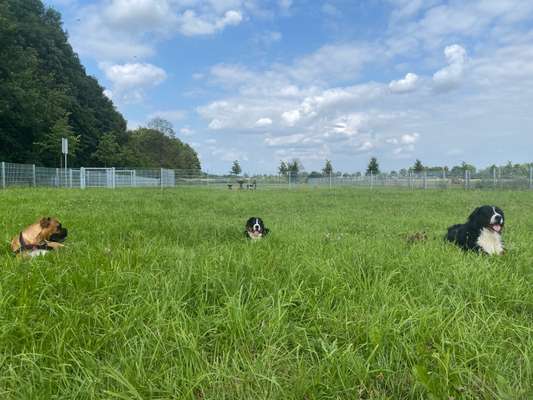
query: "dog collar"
28, 246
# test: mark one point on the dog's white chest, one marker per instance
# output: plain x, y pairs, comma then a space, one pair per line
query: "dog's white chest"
38, 252
490, 242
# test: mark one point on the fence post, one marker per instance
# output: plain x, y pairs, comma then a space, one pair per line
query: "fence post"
289, 179
33, 175
113, 183
330, 183
70, 177
530, 185
371, 180
82, 178
410, 178
466, 179
3, 175
494, 176
425, 179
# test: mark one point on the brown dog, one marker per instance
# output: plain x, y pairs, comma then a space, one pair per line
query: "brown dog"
39, 238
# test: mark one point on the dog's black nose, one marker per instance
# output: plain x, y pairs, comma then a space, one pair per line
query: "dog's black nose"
498, 219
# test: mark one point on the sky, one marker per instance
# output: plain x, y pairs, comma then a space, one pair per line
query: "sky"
262, 81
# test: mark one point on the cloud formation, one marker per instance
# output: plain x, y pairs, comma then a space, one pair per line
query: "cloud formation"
130, 80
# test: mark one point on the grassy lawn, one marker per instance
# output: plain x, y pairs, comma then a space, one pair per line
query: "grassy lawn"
159, 296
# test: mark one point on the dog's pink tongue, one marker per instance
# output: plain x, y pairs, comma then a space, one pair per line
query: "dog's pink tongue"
497, 228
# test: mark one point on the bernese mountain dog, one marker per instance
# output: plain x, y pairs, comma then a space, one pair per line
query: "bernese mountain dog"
255, 228
482, 231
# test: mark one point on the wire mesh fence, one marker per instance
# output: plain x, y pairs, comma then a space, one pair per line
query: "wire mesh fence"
28, 175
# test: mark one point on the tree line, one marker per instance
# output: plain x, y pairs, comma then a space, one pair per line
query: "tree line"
46, 94
295, 167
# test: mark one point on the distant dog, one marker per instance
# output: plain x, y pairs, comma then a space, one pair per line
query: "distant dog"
482, 231
39, 238
255, 228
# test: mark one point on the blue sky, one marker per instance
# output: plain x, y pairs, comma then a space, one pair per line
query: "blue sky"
263, 81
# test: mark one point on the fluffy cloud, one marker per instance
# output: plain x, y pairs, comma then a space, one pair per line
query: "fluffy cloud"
405, 85
291, 117
130, 80
451, 76
114, 30
261, 122
192, 24
285, 140
409, 138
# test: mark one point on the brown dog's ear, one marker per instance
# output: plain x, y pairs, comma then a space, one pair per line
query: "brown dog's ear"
45, 222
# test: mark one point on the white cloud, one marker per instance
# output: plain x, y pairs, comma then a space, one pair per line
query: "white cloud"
192, 24
451, 76
409, 138
405, 85
291, 117
132, 79
108, 93
113, 30
284, 140
262, 122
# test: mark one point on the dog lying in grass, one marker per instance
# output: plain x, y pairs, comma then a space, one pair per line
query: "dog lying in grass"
481, 232
45, 235
255, 228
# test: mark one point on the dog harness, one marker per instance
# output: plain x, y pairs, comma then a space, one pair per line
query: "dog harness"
28, 246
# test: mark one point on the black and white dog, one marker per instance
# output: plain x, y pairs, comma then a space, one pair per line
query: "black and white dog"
255, 228
482, 231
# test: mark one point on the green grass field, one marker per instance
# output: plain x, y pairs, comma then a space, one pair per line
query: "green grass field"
159, 296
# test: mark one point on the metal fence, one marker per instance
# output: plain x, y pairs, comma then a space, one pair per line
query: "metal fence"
491, 179
27, 175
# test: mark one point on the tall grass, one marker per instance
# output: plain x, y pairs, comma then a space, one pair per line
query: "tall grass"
159, 296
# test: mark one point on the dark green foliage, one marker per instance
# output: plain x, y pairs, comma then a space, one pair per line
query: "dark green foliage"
418, 167
283, 168
41, 81
236, 168
45, 93
328, 168
373, 167
108, 151
150, 148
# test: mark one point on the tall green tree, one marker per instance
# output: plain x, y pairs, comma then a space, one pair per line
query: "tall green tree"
41, 79
108, 151
283, 169
294, 166
49, 148
418, 166
236, 168
373, 167
152, 149
328, 168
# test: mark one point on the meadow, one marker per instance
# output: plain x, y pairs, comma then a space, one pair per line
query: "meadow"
159, 296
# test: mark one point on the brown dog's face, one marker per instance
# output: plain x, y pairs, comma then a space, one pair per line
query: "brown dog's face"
52, 230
